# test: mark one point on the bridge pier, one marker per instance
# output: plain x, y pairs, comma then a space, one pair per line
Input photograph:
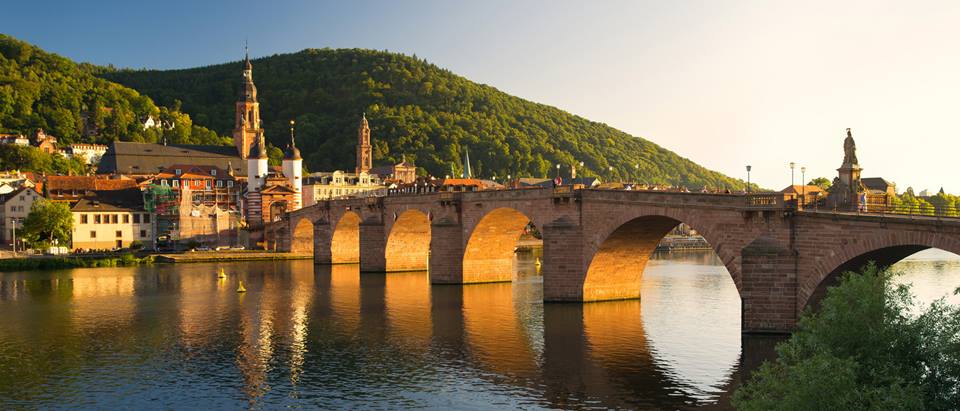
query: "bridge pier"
446, 252
322, 236
373, 248
768, 292
562, 266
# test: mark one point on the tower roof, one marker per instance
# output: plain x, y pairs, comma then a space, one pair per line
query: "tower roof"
292, 152
260, 149
363, 121
248, 91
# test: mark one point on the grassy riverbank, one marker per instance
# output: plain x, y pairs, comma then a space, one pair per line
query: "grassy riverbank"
54, 263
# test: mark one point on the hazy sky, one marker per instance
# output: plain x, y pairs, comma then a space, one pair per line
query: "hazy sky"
724, 83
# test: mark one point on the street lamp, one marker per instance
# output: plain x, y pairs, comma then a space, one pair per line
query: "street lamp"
803, 184
748, 177
558, 169
792, 165
13, 222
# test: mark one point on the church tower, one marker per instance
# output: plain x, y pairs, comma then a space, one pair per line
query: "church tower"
364, 150
293, 169
246, 128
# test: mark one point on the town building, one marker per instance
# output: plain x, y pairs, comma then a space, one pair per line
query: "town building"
400, 173
70, 189
14, 208
14, 139
146, 159
208, 185
44, 142
339, 184
90, 153
805, 195
107, 220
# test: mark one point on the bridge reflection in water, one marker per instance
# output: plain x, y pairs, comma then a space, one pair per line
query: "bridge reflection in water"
305, 335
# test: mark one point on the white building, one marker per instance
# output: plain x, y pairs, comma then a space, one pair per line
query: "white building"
339, 184
14, 208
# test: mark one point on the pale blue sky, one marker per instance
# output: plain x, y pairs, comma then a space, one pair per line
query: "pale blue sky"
724, 83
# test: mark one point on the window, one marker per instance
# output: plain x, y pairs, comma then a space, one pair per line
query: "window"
164, 182
136, 218
178, 171
143, 233
146, 218
96, 218
219, 183
213, 172
208, 184
114, 219
126, 218
230, 183
93, 234
119, 234
176, 183
83, 218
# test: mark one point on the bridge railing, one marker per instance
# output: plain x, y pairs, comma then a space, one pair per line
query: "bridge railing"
765, 201
897, 210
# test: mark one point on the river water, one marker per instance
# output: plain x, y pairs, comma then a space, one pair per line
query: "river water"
174, 336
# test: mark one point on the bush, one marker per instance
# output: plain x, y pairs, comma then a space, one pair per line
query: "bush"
864, 350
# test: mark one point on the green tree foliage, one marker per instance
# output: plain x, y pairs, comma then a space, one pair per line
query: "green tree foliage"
44, 90
870, 347
32, 159
416, 108
821, 182
48, 221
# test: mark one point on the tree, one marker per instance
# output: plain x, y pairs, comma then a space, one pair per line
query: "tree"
821, 182
47, 223
864, 350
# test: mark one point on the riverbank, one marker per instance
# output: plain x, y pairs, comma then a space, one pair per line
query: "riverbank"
228, 256
59, 263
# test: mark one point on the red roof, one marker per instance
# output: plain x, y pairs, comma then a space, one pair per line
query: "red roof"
462, 182
97, 183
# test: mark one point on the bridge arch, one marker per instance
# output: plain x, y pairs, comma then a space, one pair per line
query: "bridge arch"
301, 237
408, 243
617, 254
489, 252
345, 241
885, 251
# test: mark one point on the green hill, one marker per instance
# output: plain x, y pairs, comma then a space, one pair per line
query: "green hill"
44, 90
415, 109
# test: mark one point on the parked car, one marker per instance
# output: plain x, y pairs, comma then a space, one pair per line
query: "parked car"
239, 247
222, 247
203, 248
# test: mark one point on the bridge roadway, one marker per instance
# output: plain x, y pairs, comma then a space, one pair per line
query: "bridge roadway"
597, 242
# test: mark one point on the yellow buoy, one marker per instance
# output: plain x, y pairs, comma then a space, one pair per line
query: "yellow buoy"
222, 274
538, 263
240, 289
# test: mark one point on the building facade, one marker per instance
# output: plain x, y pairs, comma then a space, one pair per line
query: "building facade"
111, 220
14, 208
338, 184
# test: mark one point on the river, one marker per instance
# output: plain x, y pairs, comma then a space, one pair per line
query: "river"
174, 336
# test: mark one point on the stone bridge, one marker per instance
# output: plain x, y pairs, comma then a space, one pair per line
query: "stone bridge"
597, 242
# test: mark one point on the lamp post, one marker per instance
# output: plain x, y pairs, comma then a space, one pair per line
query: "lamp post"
748, 177
792, 165
13, 222
558, 169
803, 185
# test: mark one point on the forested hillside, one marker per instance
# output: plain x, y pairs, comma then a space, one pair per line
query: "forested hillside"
44, 90
415, 109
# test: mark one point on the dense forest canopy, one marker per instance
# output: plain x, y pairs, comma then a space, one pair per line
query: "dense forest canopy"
44, 90
415, 109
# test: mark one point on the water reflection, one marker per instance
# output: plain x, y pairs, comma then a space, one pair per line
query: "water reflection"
327, 336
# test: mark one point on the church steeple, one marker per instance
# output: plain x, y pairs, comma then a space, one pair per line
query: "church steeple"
364, 149
246, 129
